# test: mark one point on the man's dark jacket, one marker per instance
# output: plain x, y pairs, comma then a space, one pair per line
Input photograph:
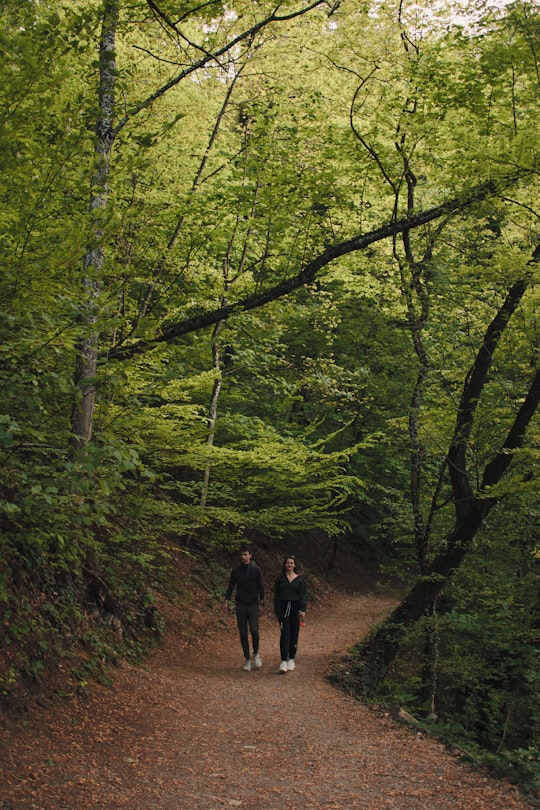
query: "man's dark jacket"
247, 578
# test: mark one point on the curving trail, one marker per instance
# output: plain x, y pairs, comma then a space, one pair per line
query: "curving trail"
192, 731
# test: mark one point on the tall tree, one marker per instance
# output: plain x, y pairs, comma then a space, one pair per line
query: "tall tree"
107, 131
86, 361
471, 505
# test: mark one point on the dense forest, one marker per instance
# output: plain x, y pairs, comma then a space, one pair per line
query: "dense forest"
270, 271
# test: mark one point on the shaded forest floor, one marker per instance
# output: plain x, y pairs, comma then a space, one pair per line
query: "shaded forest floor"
190, 730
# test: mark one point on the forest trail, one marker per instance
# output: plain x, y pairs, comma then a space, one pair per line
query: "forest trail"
192, 731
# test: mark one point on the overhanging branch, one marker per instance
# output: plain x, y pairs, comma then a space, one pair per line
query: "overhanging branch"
309, 272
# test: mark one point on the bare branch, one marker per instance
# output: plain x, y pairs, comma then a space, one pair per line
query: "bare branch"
214, 57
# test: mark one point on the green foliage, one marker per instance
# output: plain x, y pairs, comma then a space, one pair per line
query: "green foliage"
487, 685
220, 185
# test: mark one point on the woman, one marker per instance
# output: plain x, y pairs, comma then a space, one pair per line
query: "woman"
290, 598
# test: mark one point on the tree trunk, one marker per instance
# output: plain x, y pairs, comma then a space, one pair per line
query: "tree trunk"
212, 414
87, 351
430, 658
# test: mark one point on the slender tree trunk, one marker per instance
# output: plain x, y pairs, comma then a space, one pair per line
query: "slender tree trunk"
430, 660
417, 299
228, 280
212, 415
87, 350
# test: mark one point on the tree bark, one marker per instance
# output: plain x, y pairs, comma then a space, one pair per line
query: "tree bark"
86, 360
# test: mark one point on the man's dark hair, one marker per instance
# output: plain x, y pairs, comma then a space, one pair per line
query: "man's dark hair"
245, 547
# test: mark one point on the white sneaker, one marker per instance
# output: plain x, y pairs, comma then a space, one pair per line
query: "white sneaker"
247, 666
257, 660
283, 667
290, 664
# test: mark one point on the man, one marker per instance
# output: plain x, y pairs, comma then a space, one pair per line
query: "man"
248, 581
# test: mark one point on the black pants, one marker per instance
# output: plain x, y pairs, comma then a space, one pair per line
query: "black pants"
248, 616
290, 627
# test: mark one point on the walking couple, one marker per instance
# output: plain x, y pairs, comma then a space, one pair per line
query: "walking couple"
290, 600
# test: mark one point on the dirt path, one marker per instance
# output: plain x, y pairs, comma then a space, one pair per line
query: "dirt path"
192, 731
